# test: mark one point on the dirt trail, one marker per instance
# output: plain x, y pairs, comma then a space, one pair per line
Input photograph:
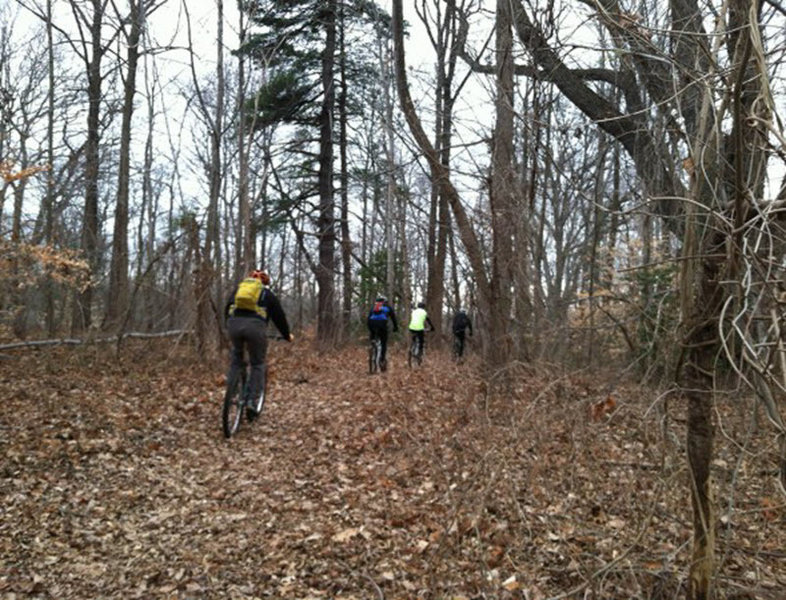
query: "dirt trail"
116, 482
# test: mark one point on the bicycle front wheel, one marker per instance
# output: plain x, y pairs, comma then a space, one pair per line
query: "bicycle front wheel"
372, 359
232, 412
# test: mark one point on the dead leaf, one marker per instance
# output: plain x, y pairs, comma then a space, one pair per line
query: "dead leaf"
346, 534
511, 583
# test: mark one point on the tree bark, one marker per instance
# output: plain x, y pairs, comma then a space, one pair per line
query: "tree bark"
391, 187
326, 310
49, 290
82, 314
346, 240
247, 239
501, 197
117, 300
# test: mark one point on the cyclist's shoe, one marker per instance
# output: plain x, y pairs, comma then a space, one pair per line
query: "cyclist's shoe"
251, 414
383, 365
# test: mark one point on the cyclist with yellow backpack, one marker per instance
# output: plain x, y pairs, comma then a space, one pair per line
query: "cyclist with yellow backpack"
248, 310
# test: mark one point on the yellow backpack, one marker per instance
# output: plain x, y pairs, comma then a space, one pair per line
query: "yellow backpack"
247, 297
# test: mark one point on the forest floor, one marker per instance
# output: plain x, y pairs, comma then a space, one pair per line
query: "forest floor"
116, 482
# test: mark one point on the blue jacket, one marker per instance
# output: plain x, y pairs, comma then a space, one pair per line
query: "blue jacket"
383, 315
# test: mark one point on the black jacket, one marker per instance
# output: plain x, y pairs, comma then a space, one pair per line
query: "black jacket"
461, 322
270, 303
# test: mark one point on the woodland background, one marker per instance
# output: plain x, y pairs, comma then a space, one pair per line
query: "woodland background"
597, 182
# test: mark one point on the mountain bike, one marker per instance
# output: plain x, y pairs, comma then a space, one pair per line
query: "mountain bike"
238, 401
459, 345
375, 356
458, 348
415, 356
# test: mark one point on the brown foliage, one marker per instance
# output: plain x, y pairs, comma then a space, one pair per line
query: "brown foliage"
116, 482
25, 265
9, 174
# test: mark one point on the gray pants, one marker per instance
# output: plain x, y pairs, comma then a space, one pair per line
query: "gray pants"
251, 332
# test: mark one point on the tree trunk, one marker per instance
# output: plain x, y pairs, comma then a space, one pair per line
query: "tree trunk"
326, 317
49, 290
346, 240
503, 181
82, 315
702, 307
247, 239
442, 37
210, 259
390, 191
149, 211
117, 300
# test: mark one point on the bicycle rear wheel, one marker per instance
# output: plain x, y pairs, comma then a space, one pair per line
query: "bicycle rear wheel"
232, 411
252, 412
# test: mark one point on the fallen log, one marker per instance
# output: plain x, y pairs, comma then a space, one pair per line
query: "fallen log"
102, 340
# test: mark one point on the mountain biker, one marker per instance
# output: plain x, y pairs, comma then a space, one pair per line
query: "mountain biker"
247, 324
379, 315
417, 325
461, 323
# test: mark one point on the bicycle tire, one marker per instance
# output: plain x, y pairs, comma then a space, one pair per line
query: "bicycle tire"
252, 412
457, 349
232, 411
372, 358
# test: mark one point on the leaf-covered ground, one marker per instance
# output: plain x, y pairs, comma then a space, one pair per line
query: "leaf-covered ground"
116, 482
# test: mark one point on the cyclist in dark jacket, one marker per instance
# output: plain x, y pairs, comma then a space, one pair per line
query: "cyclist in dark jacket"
379, 315
246, 326
461, 323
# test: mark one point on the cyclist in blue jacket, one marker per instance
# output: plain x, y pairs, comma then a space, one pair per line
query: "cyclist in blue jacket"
379, 315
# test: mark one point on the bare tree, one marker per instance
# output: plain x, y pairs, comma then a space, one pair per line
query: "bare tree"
132, 25
443, 28
492, 295
725, 183
206, 285
93, 49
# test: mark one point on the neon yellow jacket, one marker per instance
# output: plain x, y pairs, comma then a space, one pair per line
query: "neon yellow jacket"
417, 321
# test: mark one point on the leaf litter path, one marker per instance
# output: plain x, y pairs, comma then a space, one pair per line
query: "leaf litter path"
116, 482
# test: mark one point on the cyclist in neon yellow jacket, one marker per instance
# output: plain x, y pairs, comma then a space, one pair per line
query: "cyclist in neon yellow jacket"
417, 324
